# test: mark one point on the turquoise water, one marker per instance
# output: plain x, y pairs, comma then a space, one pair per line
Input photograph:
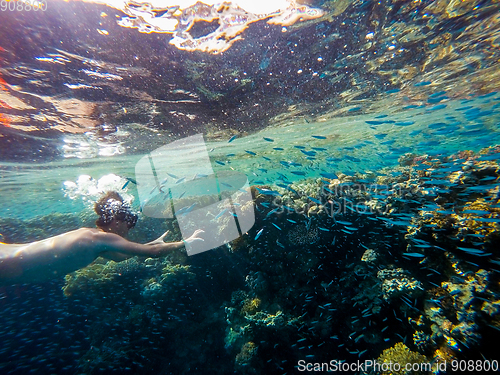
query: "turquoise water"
352, 144
368, 134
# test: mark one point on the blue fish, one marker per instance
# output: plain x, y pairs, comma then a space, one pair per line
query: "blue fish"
129, 180
185, 210
352, 158
258, 234
331, 176
344, 222
250, 152
414, 255
272, 211
489, 157
308, 153
436, 100
422, 246
487, 220
268, 192
437, 107
315, 200
268, 139
328, 190
232, 138
470, 250
437, 125
476, 212
318, 136
436, 94
393, 91
438, 182
493, 93
221, 213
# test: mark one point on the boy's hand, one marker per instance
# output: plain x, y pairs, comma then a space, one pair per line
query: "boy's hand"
159, 239
195, 236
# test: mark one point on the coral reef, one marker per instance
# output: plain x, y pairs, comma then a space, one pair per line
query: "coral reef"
248, 351
401, 355
96, 276
398, 282
369, 257
389, 261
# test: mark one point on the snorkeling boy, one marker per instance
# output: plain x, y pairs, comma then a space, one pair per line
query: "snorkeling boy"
57, 256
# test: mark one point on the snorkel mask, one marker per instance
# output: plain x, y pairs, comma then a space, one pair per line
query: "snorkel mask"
114, 209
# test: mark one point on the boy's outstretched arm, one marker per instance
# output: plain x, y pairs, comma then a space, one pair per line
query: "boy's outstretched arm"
112, 243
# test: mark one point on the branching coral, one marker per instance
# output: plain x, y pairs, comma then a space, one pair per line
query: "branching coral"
247, 352
398, 282
96, 276
401, 355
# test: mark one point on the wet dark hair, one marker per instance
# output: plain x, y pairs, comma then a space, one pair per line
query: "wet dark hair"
111, 206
